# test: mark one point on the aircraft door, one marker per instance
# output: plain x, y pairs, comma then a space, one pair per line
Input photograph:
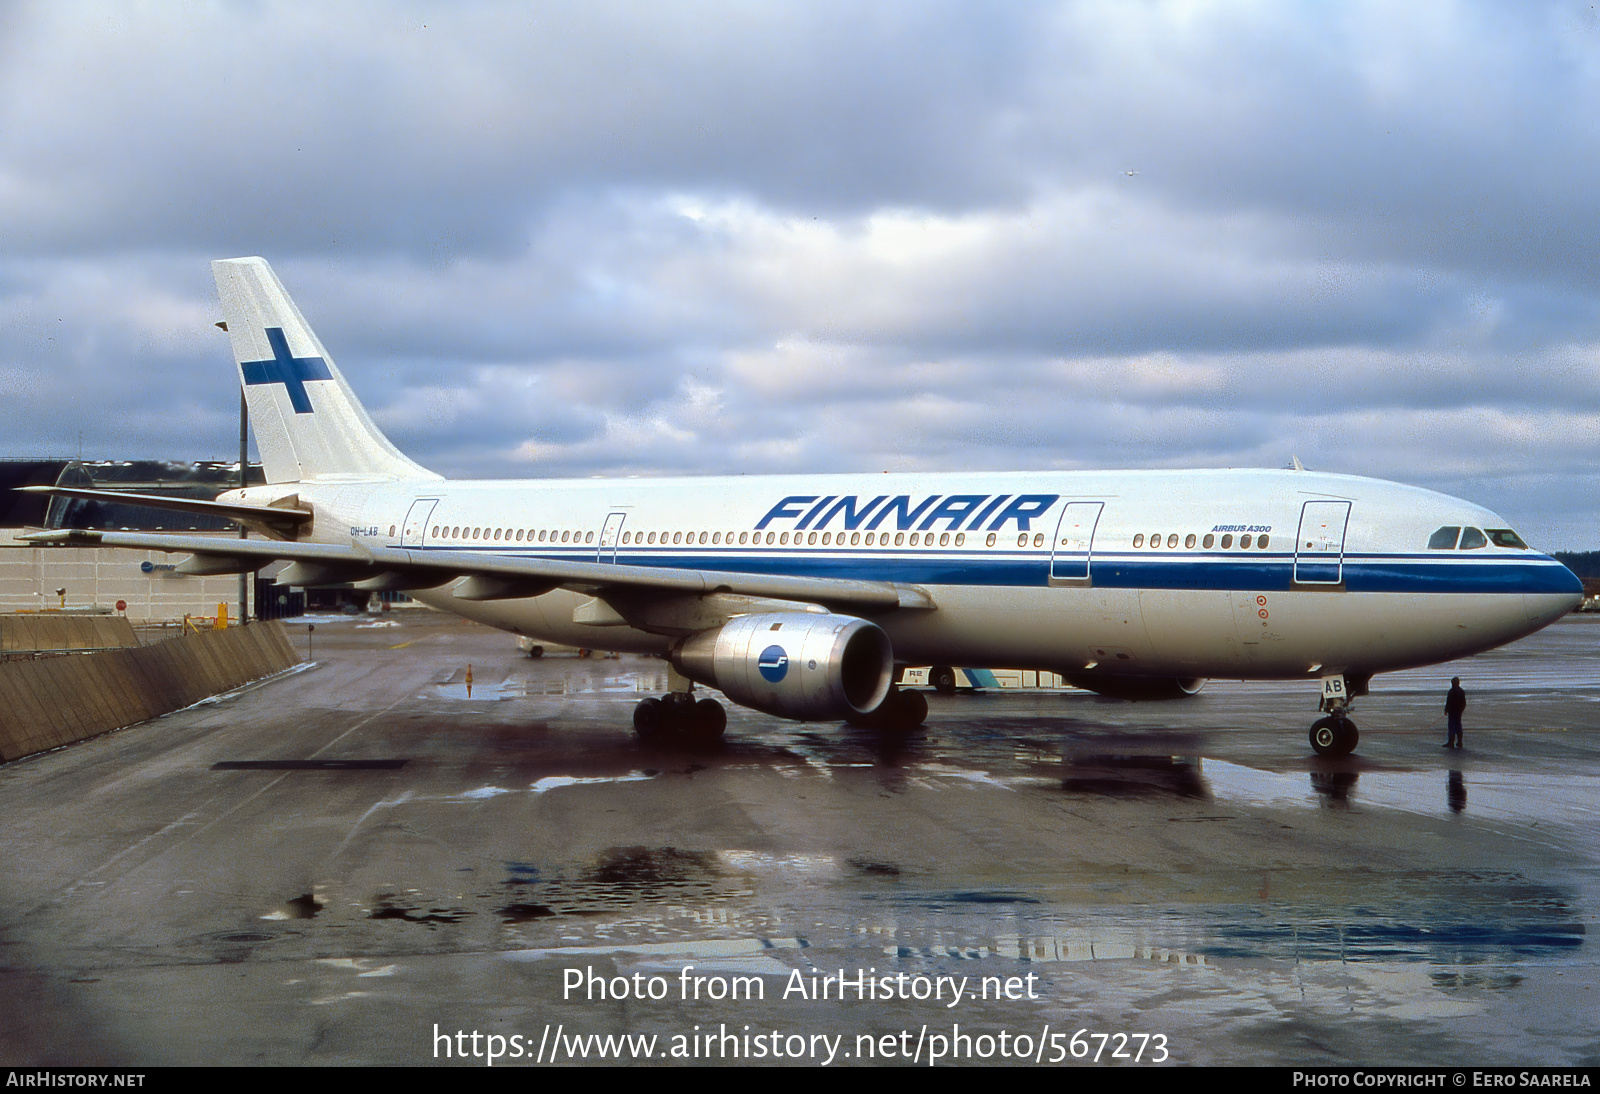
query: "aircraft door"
414, 532
1074, 542
610, 536
1319, 549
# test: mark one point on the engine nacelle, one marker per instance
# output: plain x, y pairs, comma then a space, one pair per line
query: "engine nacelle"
1137, 687
793, 664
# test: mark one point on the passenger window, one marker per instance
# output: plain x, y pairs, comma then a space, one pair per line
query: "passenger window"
770, 538
1208, 541
1038, 539
588, 537
1022, 540
1444, 539
944, 539
1155, 540
1472, 539
1227, 541
990, 541
899, 538
1138, 540
1261, 544
1244, 543
1188, 541
961, 538
1172, 540
1505, 537
784, 539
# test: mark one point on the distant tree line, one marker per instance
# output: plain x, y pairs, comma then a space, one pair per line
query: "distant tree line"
1586, 564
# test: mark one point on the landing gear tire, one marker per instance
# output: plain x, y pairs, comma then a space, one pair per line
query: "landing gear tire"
943, 679
1334, 736
649, 719
707, 721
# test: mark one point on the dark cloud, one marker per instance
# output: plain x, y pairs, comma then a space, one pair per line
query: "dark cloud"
606, 238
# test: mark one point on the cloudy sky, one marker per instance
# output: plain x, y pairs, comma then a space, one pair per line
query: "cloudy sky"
625, 238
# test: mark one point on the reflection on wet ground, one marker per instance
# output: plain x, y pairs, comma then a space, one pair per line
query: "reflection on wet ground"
367, 843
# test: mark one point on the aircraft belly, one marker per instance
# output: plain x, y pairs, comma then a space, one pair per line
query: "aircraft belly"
1045, 628
547, 617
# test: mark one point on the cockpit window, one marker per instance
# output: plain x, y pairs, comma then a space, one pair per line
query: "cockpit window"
1472, 539
1444, 539
1505, 537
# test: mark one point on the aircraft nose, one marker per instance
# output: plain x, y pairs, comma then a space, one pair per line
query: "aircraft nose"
1545, 608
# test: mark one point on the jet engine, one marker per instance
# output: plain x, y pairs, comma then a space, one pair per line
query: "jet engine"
1137, 687
797, 665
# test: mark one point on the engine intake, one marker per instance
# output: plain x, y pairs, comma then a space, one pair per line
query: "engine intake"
793, 664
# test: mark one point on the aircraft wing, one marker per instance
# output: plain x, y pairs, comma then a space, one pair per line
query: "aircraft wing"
494, 576
276, 517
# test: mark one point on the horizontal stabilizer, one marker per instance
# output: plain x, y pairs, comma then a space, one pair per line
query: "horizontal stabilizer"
277, 518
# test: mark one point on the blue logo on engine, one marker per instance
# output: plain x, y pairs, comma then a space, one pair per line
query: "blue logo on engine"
774, 664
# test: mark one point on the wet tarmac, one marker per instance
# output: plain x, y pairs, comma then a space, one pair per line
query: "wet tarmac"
355, 862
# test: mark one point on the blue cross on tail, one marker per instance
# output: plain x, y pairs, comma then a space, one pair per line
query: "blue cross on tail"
291, 372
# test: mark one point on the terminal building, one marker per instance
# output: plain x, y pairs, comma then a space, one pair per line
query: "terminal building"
95, 580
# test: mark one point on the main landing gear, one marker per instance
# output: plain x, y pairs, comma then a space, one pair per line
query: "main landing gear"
1336, 735
677, 717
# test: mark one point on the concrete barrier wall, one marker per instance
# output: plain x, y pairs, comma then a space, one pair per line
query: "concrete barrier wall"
22, 633
57, 700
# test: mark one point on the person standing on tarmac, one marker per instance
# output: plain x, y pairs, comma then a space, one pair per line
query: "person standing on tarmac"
1455, 705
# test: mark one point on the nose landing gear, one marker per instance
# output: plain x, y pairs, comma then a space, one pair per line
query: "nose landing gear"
1336, 735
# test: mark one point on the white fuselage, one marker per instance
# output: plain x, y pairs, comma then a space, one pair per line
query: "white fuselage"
1144, 573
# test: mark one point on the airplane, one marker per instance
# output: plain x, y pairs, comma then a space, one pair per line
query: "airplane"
800, 595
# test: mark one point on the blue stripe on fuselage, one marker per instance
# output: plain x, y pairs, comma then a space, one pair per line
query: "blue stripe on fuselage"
1268, 573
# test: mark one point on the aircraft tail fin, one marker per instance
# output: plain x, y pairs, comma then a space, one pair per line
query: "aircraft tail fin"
308, 423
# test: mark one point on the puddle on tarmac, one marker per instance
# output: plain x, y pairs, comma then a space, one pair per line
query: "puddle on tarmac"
1522, 796
622, 879
304, 906
453, 685
388, 908
1123, 776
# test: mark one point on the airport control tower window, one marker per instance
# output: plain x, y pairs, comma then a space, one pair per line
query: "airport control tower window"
1472, 539
1505, 537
